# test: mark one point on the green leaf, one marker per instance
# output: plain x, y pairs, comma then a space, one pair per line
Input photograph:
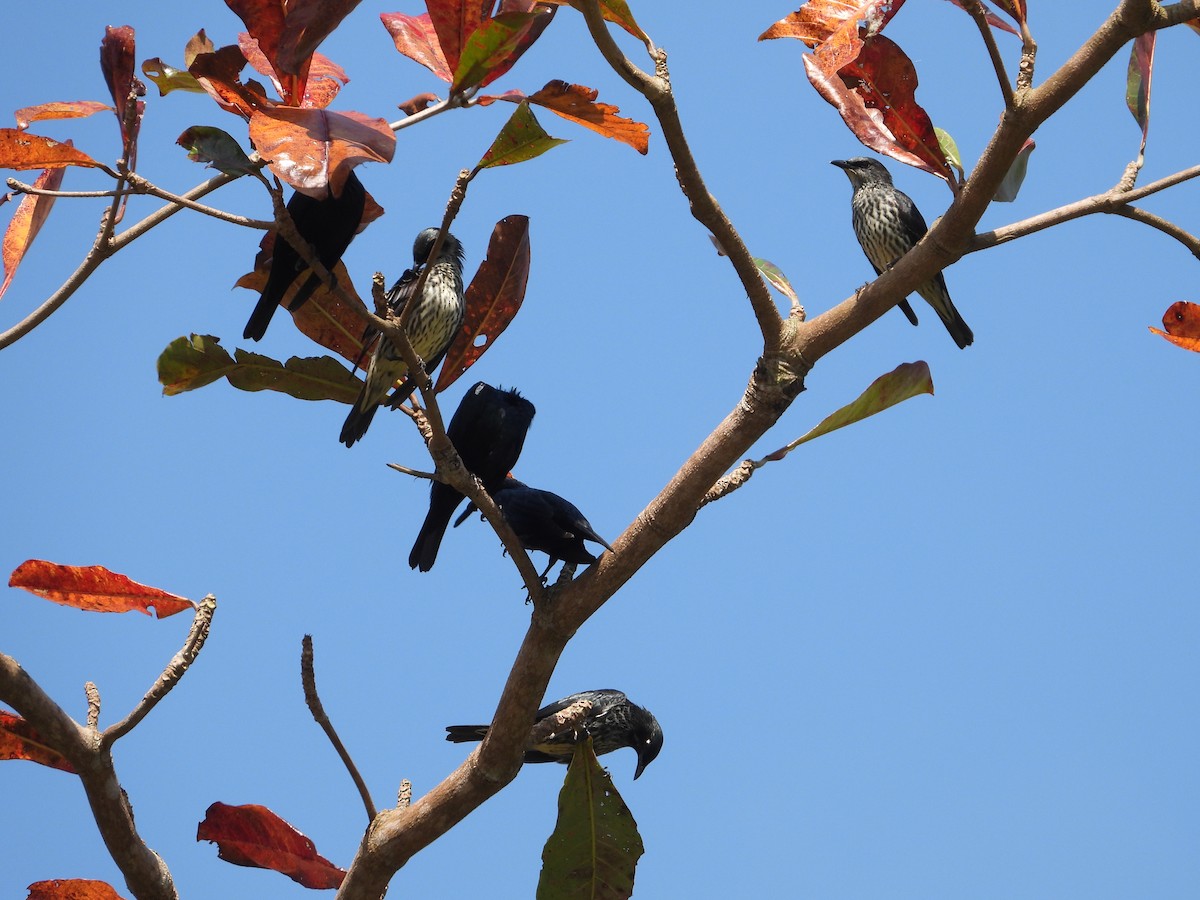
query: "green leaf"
1011, 185
168, 78
217, 148
906, 381
490, 46
520, 139
595, 846
776, 278
190, 363
949, 149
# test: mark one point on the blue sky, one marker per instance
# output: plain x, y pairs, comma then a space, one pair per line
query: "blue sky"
950, 652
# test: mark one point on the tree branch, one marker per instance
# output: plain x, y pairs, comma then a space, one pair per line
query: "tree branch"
179, 664
977, 12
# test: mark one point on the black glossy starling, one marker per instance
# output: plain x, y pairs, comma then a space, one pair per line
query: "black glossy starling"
329, 225
613, 722
888, 224
432, 325
488, 430
544, 521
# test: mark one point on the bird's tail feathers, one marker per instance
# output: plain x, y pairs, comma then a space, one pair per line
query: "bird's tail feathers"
461, 734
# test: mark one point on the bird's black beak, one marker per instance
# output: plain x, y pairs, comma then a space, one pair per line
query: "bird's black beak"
840, 163
641, 767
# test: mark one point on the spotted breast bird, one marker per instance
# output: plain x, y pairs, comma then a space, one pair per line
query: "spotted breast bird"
488, 430
888, 224
328, 225
434, 321
612, 722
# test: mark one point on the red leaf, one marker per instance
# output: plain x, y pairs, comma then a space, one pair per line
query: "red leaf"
497, 44
1182, 321
219, 74
325, 77
1015, 8
833, 27
876, 96
74, 109
264, 19
454, 21
415, 37
72, 889
26, 222
992, 19
116, 61
20, 740
492, 299
252, 835
312, 148
617, 12
306, 24
94, 588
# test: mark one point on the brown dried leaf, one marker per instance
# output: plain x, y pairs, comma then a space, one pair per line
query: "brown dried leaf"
415, 37
577, 103
72, 889
21, 150
72, 109
312, 148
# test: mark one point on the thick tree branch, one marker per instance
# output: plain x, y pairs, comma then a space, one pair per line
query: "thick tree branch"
146, 875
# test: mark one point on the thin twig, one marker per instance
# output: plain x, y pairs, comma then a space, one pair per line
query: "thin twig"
977, 12
308, 676
175, 670
704, 207
92, 693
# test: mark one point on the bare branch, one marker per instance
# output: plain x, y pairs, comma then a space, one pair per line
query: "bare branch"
977, 12
704, 207
93, 704
174, 671
308, 677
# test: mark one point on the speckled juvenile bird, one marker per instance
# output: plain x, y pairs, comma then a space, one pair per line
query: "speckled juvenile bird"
613, 722
434, 321
488, 430
329, 225
544, 521
888, 224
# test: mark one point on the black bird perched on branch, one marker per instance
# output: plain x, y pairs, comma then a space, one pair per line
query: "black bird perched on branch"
434, 321
612, 722
488, 430
888, 224
544, 521
329, 225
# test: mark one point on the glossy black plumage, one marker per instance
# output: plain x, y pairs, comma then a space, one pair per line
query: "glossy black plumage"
434, 321
488, 430
329, 225
544, 521
612, 722
888, 224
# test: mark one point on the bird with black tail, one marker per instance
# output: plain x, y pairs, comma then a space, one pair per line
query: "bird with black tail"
328, 225
888, 224
488, 430
612, 722
544, 521
433, 322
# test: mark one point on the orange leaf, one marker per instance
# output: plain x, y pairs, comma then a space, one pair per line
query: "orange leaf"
414, 36
833, 28
264, 19
26, 222
492, 299
19, 740
252, 835
310, 148
74, 109
21, 150
325, 77
94, 588
577, 103
72, 889
1182, 321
